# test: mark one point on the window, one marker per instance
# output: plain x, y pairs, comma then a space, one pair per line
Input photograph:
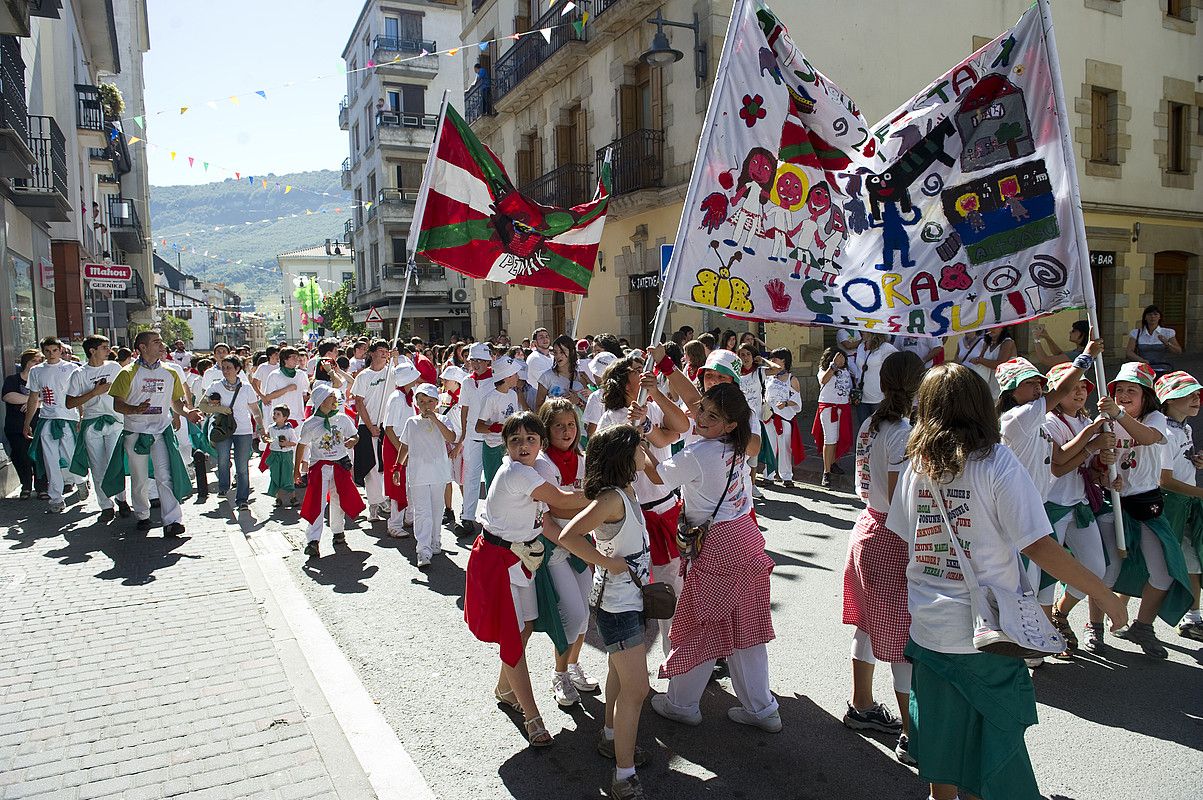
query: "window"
399, 247
571, 142
355, 141
413, 100
639, 102
1177, 8
529, 160
372, 186
367, 123
352, 78
375, 264
348, 277
411, 26
409, 175
1177, 160
393, 101
392, 27
358, 207
1103, 125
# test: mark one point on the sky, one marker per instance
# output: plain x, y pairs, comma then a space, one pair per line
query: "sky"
207, 51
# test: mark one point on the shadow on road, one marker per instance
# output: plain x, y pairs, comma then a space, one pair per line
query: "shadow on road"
814, 757
343, 570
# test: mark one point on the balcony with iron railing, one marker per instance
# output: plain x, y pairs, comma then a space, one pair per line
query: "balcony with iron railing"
16, 159
89, 120
565, 186
478, 102
607, 17
637, 161
405, 130
344, 113
396, 205
43, 195
531, 53
405, 57
125, 227
346, 173
349, 232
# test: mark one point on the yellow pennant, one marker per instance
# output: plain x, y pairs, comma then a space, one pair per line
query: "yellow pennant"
133, 140
287, 189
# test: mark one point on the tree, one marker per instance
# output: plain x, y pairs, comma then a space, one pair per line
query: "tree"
1009, 133
171, 328
336, 311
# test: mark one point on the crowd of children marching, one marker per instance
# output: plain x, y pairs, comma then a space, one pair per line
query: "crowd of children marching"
596, 478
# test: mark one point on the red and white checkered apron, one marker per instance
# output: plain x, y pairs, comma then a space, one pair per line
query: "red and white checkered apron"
724, 603
875, 585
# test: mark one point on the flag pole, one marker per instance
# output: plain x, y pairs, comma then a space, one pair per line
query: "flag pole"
1092, 315
412, 247
576, 318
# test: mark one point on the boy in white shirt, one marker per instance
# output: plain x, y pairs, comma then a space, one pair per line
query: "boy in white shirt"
495, 408
324, 440
425, 437
53, 442
101, 427
398, 408
281, 440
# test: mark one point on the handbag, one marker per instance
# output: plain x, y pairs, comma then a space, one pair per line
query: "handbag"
1009, 621
1144, 506
223, 425
659, 599
690, 538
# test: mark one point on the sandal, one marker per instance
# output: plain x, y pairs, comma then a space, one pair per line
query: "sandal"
1061, 623
502, 698
536, 735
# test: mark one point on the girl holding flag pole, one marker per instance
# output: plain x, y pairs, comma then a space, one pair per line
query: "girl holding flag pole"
1179, 394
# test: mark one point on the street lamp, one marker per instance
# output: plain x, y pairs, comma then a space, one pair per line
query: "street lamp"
661, 54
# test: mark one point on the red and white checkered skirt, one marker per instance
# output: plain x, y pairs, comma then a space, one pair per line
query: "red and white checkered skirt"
724, 603
875, 585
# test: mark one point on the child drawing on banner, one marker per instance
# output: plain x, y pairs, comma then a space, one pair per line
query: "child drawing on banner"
1009, 189
821, 234
970, 207
789, 189
751, 193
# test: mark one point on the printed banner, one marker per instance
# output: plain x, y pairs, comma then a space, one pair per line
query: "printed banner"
953, 213
476, 223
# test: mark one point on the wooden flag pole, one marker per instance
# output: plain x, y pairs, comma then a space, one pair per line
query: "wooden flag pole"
1092, 316
576, 318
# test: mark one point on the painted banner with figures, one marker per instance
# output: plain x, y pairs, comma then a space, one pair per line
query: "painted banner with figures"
953, 213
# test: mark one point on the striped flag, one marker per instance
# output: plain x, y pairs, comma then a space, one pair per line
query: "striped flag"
475, 222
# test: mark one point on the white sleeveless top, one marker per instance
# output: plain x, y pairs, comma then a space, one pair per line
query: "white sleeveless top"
628, 540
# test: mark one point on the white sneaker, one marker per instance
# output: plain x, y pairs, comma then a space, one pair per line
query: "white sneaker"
565, 693
770, 724
423, 559
662, 707
436, 545
583, 682
756, 493
57, 508
398, 533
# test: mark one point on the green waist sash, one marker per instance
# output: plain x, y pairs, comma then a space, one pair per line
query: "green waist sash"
1134, 573
58, 429
79, 459
118, 468
1184, 515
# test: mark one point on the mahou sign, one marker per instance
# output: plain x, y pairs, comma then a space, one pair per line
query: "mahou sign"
108, 272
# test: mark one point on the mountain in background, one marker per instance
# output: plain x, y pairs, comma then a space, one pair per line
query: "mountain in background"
230, 205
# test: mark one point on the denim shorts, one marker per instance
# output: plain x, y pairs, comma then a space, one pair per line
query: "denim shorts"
620, 631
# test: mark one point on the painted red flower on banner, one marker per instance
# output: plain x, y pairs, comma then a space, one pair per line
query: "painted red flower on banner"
953, 278
753, 109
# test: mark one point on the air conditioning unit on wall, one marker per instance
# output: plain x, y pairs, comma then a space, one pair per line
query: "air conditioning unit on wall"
459, 295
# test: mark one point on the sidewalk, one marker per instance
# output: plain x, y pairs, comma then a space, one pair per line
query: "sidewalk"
134, 666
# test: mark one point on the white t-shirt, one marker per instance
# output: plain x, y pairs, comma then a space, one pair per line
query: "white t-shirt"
509, 512
778, 390
471, 395
495, 408
1143, 337
919, 345
551, 474
701, 470
85, 379
262, 371
161, 384
750, 385
594, 408
369, 390
877, 455
558, 386
996, 512
356, 365
286, 431
843, 335
974, 348
645, 490
1140, 465
838, 389
871, 365
326, 445
537, 364
52, 383
294, 398
1023, 431
211, 376
396, 410
247, 399
1179, 444
1068, 489
427, 464
182, 358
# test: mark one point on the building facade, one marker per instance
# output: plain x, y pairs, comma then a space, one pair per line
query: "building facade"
62, 159
395, 85
553, 107
331, 265
213, 311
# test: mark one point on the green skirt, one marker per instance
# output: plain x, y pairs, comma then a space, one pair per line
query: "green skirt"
1184, 515
490, 460
1134, 573
279, 470
968, 714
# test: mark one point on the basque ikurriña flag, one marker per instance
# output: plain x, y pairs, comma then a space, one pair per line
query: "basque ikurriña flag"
477, 223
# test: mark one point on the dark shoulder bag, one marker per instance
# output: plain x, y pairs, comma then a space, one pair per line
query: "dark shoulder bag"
223, 425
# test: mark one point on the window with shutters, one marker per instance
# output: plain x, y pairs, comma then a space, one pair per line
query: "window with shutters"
640, 102
399, 249
1178, 139
411, 26
1177, 8
529, 161
372, 187
1103, 125
413, 100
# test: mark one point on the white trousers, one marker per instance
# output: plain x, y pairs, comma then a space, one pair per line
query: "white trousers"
54, 451
473, 472
749, 677
398, 517
862, 650
1087, 546
373, 482
338, 519
670, 573
426, 506
169, 507
783, 447
1150, 548
101, 442
573, 588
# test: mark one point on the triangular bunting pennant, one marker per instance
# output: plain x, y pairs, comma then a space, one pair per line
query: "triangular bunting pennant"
138, 121
261, 93
133, 140
546, 34
191, 161
183, 109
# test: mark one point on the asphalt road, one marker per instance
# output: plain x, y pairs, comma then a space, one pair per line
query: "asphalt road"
1121, 727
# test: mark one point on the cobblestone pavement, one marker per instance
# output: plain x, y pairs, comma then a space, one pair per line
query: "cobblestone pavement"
135, 666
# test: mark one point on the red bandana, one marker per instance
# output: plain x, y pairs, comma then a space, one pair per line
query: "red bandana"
566, 462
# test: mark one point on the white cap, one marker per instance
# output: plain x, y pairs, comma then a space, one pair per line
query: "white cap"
453, 373
599, 363
405, 373
522, 369
503, 368
320, 392
480, 351
428, 389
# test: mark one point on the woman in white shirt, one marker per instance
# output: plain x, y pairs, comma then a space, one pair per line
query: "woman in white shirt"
996, 346
783, 398
870, 354
232, 395
1152, 344
969, 708
563, 379
832, 428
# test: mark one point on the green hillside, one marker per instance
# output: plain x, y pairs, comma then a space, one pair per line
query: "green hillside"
229, 205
